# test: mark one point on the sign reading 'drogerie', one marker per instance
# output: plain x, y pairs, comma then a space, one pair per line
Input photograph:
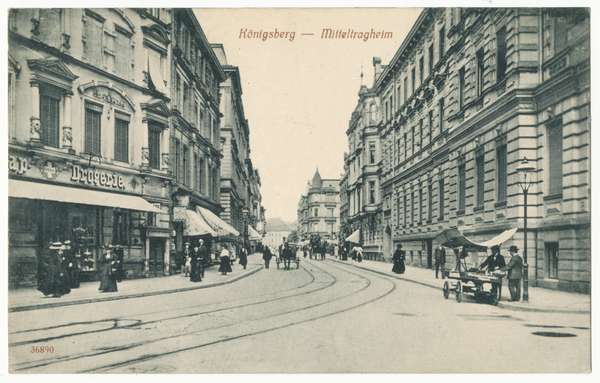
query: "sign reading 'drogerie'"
96, 177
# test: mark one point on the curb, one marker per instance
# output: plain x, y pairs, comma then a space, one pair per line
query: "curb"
128, 296
500, 304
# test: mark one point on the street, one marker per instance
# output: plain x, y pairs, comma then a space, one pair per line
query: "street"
325, 317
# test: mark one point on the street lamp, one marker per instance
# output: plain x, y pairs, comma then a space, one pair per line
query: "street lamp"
245, 212
525, 173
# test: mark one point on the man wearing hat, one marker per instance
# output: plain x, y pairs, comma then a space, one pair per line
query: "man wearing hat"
201, 254
440, 260
493, 262
515, 273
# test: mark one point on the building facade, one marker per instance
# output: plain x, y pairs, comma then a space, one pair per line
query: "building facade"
470, 94
319, 209
364, 206
80, 109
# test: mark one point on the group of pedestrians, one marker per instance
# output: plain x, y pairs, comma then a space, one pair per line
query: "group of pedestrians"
60, 265
226, 259
195, 261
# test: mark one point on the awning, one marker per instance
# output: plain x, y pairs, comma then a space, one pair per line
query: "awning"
217, 224
196, 225
253, 234
34, 190
354, 237
454, 238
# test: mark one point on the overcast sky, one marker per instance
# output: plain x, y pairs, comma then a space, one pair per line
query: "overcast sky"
299, 95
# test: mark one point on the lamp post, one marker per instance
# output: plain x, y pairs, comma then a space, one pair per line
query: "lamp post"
245, 212
525, 173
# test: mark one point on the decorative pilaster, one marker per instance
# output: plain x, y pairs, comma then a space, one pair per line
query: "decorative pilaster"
164, 160
145, 145
67, 136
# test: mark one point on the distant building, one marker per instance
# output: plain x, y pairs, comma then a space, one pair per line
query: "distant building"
276, 231
319, 209
362, 210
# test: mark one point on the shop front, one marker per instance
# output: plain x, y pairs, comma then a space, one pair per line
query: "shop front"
43, 210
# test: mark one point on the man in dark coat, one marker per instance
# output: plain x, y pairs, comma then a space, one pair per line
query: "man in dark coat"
203, 257
267, 256
515, 273
440, 260
118, 251
493, 262
198, 263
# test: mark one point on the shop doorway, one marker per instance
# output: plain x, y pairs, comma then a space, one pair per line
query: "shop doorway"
156, 261
429, 244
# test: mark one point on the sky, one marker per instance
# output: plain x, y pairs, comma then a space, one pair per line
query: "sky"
299, 95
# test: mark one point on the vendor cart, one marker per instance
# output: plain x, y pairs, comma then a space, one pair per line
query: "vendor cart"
463, 280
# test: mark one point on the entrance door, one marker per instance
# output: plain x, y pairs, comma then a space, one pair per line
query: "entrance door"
429, 253
156, 261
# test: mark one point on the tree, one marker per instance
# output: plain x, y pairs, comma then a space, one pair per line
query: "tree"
293, 237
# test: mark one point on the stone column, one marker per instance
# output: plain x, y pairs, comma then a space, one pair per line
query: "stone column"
147, 259
165, 146
35, 128
145, 146
67, 136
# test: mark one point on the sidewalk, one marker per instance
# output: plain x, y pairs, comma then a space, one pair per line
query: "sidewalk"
540, 299
26, 299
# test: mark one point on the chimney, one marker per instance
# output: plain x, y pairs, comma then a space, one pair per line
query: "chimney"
377, 66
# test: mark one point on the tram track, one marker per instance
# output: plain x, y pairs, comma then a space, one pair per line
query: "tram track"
221, 333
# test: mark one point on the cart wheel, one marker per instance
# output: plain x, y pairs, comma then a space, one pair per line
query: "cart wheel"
459, 292
446, 289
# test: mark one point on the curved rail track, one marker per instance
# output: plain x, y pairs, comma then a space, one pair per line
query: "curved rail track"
117, 343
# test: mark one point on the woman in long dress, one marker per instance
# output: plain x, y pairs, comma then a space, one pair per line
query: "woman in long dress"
398, 259
243, 258
54, 279
225, 266
108, 272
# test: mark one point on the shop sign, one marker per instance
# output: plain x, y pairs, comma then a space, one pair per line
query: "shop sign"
18, 165
96, 177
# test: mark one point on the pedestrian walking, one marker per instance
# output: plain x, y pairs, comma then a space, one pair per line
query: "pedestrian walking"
54, 280
119, 253
243, 258
225, 266
398, 259
515, 273
267, 256
108, 272
187, 266
344, 253
197, 260
201, 261
440, 260
71, 265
